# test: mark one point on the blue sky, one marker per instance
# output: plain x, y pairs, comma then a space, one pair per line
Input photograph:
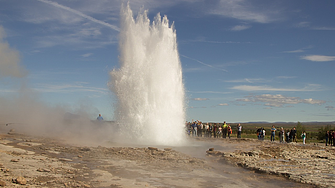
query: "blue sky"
242, 60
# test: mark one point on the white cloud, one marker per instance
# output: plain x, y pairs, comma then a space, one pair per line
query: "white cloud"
248, 80
243, 100
312, 101
240, 27
303, 24
244, 10
200, 99
87, 55
278, 100
294, 51
69, 88
285, 77
318, 58
299, 50
202, 39
330, 107
324, 28
212, 92
309, 87
223, 104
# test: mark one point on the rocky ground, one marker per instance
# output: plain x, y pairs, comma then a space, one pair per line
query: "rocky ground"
312, 164
27, 161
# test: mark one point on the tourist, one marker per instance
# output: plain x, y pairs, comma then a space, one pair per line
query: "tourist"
210, 132
215, 130
273, 133
281, 134
293, 134
333, 137
259, 133
229, 130
219, 131
263, 133
327, 137
194, 128
206, 130
287, 136
224, 129
239, 130
200, 128
100, 118
330, 136
189, 128
303, 136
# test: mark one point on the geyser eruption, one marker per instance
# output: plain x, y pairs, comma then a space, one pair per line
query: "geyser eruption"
149, 84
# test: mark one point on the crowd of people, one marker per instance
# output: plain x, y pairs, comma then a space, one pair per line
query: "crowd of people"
284, 135
216, 130
224, 130
211, 130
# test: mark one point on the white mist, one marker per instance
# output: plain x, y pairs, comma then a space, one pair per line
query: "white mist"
149, 85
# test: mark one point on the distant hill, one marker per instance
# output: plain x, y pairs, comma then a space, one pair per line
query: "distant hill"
311, 122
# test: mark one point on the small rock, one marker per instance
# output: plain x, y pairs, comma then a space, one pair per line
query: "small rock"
214, 152
192, 161
153, 148
12, 131
86, 186
20, 180
15, 160
43, 170
64, 159
86, 149
2, 183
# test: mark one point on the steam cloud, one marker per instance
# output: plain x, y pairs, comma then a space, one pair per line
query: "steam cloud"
21, 109
9, 59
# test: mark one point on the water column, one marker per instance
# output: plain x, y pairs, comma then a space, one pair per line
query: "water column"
149, 85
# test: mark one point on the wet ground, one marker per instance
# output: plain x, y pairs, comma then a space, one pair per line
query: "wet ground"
45, 162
